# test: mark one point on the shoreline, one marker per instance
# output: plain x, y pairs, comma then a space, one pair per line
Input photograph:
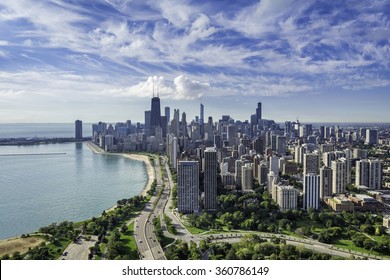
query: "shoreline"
145, 159
97, 150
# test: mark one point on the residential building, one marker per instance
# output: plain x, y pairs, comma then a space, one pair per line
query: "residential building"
287, 198
210, 179
188, 187
311, 191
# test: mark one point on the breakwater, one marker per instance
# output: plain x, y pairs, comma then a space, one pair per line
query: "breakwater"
35, 154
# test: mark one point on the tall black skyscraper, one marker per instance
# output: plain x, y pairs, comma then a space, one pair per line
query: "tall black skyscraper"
155, 114
78, 129
258, 113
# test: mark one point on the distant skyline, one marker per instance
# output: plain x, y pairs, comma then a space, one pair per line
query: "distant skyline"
319, 61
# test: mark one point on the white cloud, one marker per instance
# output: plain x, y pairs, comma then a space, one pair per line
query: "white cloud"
10, 93
181, 88
189, 89
178, 12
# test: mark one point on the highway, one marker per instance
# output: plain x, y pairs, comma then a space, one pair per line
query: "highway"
148, 246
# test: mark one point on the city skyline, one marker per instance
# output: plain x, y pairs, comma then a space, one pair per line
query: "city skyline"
319, 62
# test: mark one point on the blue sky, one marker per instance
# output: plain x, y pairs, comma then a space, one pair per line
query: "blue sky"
321, 61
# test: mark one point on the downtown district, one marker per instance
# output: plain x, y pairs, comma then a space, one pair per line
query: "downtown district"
301, 166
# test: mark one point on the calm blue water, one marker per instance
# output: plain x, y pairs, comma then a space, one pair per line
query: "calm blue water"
41, 189
41, 130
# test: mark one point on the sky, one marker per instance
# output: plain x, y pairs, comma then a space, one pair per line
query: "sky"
319, 61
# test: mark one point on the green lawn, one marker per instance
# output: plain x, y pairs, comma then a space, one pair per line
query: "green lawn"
348, 244
128, 242
57, 249
193, 230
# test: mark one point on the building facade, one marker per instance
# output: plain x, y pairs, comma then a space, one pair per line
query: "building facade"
188, 187
210, 179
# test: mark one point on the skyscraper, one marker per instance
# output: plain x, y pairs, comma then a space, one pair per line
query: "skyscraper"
247, 177
339, 176
188, 187
210, 179
362, 172
155, 114
371, 136
281, 145
375, 174
78, 130
369, 173
310, 164
168, 114
311, 191
325, 181
258, 113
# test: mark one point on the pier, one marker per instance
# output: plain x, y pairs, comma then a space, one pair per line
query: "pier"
38, 154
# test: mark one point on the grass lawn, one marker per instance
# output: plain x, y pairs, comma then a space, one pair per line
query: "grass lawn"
348, 244
128, 241
58, 248
193, 230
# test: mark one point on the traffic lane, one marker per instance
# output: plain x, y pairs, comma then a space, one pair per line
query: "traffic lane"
79, 250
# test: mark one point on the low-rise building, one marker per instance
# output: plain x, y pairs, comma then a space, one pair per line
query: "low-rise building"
340, 203
365, 202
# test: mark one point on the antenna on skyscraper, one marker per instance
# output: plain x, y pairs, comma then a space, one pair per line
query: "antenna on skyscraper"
153, 85
158, 93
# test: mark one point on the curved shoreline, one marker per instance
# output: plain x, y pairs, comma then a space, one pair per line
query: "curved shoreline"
145, 159
97, 150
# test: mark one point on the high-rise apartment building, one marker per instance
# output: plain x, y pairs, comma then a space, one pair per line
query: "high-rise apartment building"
238, 171
281, 145
258, 145
310, 164
311, 191
339, 176
78, 130
375, 181
328, 157
263, 171
371, 136
247, 177
369, 173
362, 172
210, 179
274, 165
287, 198
188, 187
325, 182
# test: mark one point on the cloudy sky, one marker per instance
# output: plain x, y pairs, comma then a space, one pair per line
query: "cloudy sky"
321, 61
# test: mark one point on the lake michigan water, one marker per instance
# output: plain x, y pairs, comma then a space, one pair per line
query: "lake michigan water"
73, 184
